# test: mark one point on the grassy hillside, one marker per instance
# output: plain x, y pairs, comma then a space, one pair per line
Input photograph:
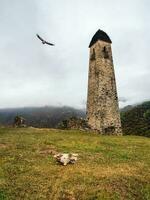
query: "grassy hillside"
108, 167
136, 119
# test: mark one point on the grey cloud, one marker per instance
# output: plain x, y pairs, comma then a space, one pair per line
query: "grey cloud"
123, 99
33, 74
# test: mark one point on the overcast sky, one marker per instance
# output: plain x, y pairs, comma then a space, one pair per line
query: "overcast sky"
32, 74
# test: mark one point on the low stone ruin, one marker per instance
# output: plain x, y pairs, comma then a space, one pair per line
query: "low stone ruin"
74, 123
19, 122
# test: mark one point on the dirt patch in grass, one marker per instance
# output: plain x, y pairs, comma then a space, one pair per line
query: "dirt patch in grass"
3, 146
48, 151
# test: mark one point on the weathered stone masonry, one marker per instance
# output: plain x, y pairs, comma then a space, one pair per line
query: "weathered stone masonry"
102, 104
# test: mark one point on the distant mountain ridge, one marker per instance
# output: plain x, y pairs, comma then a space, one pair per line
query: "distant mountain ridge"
126, 108
135, 119
47, 116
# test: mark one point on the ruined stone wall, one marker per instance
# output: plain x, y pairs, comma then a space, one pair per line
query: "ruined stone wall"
102, 104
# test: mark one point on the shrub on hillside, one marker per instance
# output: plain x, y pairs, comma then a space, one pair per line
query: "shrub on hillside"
136, 121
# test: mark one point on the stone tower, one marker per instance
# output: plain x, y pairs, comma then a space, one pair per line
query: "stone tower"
102, 103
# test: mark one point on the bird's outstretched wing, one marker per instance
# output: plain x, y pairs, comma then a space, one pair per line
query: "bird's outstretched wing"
43, 41
49, 43
40, 38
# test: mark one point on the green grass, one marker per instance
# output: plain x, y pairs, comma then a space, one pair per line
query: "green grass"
109, 167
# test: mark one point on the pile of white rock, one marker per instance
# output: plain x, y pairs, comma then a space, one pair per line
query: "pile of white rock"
66, 158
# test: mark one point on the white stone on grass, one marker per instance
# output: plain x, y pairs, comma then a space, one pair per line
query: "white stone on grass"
66, 158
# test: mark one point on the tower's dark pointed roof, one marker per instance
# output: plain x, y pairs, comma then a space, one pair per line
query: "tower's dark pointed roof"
100, 35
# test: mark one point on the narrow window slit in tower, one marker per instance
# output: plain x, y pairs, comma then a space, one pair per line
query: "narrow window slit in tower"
93, 55
105, 53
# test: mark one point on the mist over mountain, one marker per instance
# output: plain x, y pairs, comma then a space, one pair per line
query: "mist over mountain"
135, 118
47, 116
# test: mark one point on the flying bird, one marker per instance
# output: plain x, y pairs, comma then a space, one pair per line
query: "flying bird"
43, 41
